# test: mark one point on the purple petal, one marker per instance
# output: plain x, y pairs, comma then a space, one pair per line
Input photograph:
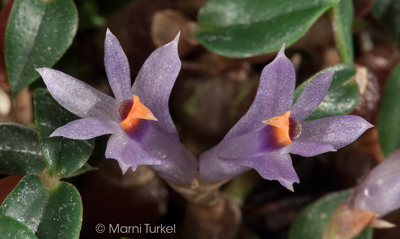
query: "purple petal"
249, 145
154, 83
380, 190
237, 155
178, 164
128, 153
311, 96
88, 128
274, 96
219, 163
117, 68
77, 96
213, 169
308, 149
338, 131
244, 146
273, 167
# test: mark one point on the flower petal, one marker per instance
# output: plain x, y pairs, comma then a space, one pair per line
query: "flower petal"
311, 96
380, 190
240, 154
178, 164
338, 131
213, 169
309, 149
274, 96
154, 83
88, 128
117, 68
128, 153
274, 167
248, 145
77, 96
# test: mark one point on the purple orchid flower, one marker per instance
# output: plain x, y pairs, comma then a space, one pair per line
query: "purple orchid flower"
143, 132
379, 191
273, 127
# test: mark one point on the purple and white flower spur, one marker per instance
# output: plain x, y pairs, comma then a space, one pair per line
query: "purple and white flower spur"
143, 132
273, 127
379, 191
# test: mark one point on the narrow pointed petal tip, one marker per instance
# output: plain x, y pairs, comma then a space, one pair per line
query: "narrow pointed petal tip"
40, 70
290, 187
288, 184
282, 50
379, 223
174, 42
176, 39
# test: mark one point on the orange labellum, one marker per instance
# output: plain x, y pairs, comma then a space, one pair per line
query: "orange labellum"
138, 111
281, 124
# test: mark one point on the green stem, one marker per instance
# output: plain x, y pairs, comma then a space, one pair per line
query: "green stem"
49, 181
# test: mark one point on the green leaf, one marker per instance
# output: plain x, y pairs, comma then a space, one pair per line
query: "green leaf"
62, 156
388, 12
85, 168
342, 96
389, 114
342, 16
49, 213
11, 228
313, 219
238, 28
19, 150
37, 35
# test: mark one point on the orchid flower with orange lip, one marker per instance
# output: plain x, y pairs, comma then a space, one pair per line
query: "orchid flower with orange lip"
273, 127
143, 132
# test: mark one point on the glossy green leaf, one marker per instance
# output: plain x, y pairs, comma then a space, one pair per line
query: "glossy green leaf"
19, 150
342, 96
313, 219
389, 114
237, 28
342, 16
62, 156
388, 12
85, 168
38, 33
49, 213
11, 228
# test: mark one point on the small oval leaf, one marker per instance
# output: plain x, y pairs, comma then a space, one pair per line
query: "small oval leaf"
389, 114
49, 213
342, 96
12, 228
313, 219
62, 156
85, 168
19, 150
237, 28
37, 35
